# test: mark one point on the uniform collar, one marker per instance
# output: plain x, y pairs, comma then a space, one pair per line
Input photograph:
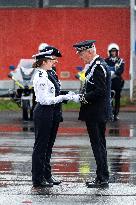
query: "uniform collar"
93, 60
114, 59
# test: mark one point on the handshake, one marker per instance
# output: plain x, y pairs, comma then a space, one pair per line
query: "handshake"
71, 96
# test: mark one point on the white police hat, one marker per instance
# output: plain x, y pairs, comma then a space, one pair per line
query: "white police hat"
42, 46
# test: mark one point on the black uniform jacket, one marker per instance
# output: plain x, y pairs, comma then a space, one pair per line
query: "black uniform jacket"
117, 81
57, 107
119, 62
95, 93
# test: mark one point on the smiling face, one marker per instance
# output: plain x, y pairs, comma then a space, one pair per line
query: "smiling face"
49, 63
54, 61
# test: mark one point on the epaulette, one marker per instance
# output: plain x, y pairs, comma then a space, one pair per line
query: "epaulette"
98, 62
40, 73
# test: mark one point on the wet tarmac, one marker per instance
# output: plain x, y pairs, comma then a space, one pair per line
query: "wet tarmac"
72, 162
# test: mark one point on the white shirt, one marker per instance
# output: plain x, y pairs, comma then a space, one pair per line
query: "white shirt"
45, 90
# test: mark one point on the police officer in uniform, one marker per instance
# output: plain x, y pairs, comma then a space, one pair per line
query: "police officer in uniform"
47, 115
116, 65
95, 107
52, 73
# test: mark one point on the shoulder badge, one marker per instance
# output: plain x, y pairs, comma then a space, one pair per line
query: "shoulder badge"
40, 73
98, 62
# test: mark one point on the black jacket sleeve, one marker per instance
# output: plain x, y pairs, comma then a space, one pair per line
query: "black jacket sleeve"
99, 87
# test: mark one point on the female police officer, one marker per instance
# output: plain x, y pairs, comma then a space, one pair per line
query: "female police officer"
46, 119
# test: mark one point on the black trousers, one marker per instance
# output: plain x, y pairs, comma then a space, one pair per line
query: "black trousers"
47, 167
46, 126
116, 102
116, 85
96, 131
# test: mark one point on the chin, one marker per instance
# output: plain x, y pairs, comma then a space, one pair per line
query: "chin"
86, 62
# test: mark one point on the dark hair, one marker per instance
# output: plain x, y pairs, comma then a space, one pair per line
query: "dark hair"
38, 63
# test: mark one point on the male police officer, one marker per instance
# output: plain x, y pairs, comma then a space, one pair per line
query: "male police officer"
116, 65
95, 106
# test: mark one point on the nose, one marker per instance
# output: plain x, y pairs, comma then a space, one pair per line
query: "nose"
80, 56
56, 61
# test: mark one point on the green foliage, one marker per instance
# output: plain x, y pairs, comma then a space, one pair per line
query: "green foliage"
70, 106
125, 101
7, 104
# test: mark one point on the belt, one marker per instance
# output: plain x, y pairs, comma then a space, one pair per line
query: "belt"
45, 105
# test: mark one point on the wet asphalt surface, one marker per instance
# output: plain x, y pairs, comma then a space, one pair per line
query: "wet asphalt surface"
72, 162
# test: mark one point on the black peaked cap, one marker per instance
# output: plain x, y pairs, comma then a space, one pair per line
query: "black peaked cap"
55, 51
83, 45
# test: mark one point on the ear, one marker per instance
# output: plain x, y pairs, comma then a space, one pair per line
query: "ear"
44, 62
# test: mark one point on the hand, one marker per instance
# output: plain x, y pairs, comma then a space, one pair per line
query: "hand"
113, 76
112, 73
67, 97
117, 66
75, 98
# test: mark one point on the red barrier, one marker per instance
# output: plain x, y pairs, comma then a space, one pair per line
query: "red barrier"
22, 30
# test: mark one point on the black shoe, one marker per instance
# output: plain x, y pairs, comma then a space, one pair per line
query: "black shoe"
42, 184
98, 184
116, 118
96, 181
53, 181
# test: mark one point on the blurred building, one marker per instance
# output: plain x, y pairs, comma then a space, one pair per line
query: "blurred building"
63, 3
26, 23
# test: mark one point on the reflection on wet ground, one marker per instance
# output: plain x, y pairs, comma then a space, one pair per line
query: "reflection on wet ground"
125, 127
72, 162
